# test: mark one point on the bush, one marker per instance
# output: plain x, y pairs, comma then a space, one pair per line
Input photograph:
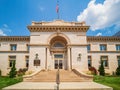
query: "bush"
13, 71
118, 71
93, 70
101, 69
21, 71
0, 73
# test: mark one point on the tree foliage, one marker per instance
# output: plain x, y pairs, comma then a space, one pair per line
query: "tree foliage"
101, 69
13, 71
118, 71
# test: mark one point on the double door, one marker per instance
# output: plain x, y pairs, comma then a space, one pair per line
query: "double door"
58, 63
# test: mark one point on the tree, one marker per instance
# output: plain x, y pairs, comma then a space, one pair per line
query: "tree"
13, 71
118, 71
101, 69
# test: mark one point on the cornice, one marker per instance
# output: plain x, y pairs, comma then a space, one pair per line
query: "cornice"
15, 38
77, 44
56, 28
103, 51
38, 44
103, 38
14, 51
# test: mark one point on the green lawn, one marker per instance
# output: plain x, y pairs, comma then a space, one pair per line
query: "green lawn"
111, 81
106, 80
6, 81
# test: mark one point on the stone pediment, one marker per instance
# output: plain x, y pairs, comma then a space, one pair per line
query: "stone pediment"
58, 23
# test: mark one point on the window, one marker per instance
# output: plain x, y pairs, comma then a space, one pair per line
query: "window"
27, 61
88, 47
11, 60
13, 47
103, 47
105, 60
28, 47
58, 56
58, 44
89, 61
117, 47
118, 58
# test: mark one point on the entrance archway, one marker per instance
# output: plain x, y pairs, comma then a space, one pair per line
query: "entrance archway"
58, 49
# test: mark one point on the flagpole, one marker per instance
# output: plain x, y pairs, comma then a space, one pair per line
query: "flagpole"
57, 9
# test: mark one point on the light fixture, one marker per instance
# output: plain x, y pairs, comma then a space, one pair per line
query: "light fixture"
36, 61
79, 57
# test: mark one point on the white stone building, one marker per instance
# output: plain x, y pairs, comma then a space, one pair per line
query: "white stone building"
59, 43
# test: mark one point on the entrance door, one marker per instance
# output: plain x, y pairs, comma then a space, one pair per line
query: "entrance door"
59, 63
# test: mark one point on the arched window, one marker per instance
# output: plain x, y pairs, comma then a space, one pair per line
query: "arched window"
58, 44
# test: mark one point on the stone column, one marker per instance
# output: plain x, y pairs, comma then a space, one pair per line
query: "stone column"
46, 59
68, 59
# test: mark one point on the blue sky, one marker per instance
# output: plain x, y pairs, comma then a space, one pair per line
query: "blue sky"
15, 15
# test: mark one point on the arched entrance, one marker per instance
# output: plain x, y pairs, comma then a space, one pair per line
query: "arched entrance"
58, 49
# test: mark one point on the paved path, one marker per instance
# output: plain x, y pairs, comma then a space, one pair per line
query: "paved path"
52, 86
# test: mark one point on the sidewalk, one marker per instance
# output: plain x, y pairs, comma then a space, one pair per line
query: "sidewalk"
52, 86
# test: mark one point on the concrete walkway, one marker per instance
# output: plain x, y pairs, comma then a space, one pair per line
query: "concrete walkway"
63, 86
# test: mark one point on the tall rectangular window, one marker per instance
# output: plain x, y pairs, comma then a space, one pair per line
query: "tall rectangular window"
117, 47
118, 58
88, 47
89, 61
103, 47
28, 47
11, 60
13, 47
27, 61
105, 60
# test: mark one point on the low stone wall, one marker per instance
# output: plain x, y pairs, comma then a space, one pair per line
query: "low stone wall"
81, 74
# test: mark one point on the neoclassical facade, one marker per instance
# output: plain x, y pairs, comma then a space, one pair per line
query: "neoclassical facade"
59, 43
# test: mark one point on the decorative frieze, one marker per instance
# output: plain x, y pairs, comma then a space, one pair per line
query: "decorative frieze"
56, 28
15, 38
103, 38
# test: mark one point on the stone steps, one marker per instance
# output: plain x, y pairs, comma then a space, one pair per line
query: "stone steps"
50, 76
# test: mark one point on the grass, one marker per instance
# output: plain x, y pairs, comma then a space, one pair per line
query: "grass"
111, 81
6, 81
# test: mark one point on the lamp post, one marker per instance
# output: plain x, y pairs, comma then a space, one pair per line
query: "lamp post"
58, 78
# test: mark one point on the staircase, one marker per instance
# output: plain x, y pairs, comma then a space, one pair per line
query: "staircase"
50, 76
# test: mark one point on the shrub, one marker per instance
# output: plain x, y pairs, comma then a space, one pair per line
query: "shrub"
93, 70
21, 71
101, 69
118, 71
13, 71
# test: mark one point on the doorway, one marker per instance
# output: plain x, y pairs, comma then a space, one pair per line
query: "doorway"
58, 61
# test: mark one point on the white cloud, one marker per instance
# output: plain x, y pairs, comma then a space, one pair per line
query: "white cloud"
100, 16
2, 33
99, 34
42, 9
5, 25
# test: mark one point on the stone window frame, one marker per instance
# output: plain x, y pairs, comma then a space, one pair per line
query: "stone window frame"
28, 47
89, 47
26, 61
118, 60
105, 65
117, 47
13, 47
11, 59
102, 47
90, 61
